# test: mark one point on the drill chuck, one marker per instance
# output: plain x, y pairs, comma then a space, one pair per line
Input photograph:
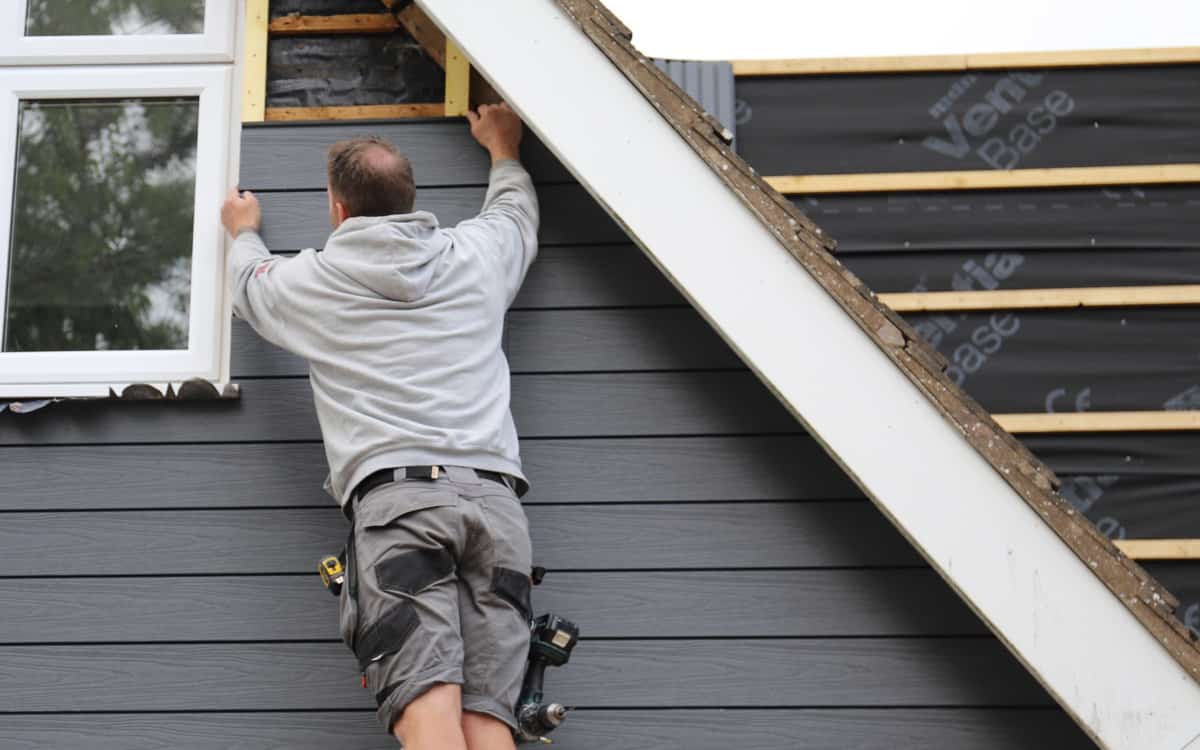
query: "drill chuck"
537, 720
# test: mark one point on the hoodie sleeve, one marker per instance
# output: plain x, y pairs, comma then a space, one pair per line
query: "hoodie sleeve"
510, 217
254, 285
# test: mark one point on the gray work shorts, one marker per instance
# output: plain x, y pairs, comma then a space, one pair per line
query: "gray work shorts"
437, 591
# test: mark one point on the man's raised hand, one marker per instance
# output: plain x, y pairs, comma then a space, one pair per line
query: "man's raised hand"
240, 212
498, 129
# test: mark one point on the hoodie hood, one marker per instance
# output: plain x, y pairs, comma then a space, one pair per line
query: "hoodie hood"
394, 256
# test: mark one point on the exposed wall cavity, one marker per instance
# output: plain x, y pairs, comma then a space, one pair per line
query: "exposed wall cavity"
329, 71
326, 71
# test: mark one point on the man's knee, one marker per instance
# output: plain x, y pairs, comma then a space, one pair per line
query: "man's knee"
438, 710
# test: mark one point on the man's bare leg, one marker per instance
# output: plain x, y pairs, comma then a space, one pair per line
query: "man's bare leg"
485, 732
434, 721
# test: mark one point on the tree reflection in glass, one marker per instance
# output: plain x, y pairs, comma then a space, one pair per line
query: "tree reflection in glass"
112, 17
100, 256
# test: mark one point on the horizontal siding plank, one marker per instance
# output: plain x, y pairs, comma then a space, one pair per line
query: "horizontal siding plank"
569, 216
554, 341
685, 673
700, 604
695, 729
581, 537
595, 405
583, 276
990, 351
442, 153
785, 467
595, 276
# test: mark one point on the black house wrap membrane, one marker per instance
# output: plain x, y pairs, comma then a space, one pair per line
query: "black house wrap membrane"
323, 7
987, 119
1131, 485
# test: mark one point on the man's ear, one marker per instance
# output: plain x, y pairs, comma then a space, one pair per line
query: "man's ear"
340, 213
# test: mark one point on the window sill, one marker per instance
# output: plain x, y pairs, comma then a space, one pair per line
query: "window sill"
188, 390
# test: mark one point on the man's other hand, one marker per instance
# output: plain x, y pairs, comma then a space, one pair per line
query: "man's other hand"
240, 213
498, 129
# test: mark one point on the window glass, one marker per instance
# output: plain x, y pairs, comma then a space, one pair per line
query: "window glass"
113, 17
101, 243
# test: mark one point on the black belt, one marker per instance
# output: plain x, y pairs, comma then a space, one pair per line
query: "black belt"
386, 476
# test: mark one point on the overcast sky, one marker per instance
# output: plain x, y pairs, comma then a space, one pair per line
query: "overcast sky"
767, 29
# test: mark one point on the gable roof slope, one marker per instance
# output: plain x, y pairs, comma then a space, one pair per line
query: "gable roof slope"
1090, 624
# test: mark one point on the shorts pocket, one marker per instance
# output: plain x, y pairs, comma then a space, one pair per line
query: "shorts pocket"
413, 571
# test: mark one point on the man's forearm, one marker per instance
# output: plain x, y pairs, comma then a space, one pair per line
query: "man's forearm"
247, 249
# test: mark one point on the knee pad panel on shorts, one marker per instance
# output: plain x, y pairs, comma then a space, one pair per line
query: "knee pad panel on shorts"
514, 588
386, 634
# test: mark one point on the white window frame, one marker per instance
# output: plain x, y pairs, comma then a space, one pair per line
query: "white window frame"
156, 70
215, 44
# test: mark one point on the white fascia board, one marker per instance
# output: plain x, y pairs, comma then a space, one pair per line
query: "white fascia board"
1044, 603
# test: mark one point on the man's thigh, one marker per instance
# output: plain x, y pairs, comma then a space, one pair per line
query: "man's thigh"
494, 603
400, 607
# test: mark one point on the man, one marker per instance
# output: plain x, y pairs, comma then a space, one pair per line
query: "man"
400, 321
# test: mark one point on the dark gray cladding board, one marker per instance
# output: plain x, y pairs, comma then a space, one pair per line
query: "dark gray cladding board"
970, 120
1103, 359
645, 536
1153, 216
295, 220
590, 729
741, 673
287, 156
614, 604
289, 474
710, 84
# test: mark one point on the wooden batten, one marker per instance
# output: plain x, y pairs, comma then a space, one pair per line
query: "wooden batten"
348, 23
360, 112
254, 63
426, 32
458, 81
1100, 421
1160, 549
1045, 299
920, 63
985, 179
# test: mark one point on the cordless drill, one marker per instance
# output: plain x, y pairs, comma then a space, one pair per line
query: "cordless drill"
551, 640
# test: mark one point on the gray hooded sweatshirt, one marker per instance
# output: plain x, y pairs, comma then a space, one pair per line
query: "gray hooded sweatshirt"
400, 321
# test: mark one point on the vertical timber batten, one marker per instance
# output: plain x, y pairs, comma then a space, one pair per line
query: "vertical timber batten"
458, 81
991, 546
254, 61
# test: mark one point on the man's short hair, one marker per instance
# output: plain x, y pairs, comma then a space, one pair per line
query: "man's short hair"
371, 177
